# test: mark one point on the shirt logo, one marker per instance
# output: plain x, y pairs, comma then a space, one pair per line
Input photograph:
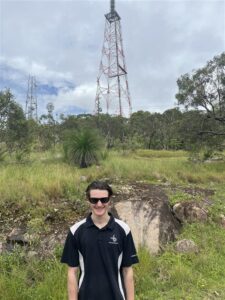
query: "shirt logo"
114, 240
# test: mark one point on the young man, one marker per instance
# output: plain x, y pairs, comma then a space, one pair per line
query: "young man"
102, 248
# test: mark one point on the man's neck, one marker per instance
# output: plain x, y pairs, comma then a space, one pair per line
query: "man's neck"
100, 221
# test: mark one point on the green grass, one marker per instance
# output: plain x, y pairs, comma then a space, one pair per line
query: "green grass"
23, 279
167, 276
37, 186
45, 179
185, 276
174, 169
160, 153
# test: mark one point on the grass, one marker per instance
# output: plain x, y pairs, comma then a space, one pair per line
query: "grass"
160, 153
168, 276
23, 279
44, 179
185, 276
36, 187
174, 169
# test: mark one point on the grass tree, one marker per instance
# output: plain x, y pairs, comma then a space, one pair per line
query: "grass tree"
83, 147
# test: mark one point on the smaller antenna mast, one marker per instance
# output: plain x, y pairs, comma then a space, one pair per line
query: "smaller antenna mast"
112, 6
31, 101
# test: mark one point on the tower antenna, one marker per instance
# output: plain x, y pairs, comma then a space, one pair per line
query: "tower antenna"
31, 101
112, 6
112, 82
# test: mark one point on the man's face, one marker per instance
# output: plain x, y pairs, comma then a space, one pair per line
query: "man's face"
99, 209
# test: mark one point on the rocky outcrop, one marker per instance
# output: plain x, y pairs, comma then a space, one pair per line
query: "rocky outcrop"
17, 236
190, 211
36, 245
145, 208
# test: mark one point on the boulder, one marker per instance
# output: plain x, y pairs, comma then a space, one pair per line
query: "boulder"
190, 211
17, 236
186, 246
145, 208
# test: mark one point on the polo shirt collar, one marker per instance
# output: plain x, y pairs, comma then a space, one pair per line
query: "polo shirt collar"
110, 225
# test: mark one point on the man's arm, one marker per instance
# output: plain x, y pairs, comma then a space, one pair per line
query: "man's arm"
129, 282
72, 283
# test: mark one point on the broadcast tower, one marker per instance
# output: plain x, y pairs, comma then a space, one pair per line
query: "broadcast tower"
113, 94
31, 101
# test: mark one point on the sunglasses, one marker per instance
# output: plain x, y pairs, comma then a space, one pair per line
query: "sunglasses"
95, 200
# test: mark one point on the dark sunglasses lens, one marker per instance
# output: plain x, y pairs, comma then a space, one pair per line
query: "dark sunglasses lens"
95, 200
104, 200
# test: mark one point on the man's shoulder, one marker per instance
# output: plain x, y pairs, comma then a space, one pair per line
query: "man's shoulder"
77, 225
123, 225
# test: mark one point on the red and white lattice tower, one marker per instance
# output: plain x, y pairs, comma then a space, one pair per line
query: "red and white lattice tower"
113, 94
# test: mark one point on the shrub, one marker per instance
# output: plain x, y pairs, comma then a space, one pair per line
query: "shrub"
83, 148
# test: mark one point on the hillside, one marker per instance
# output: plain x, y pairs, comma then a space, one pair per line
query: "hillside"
42, 197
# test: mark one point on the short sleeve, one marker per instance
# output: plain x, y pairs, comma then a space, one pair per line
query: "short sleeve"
129, 252
70, 254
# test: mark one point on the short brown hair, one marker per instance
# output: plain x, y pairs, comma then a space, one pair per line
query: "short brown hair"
99, 185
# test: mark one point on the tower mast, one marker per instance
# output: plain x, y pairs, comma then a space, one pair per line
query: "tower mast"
112, 82
31, 101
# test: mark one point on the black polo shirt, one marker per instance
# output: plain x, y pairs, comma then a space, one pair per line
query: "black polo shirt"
100, 254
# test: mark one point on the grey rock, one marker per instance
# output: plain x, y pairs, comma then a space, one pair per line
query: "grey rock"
190, 212
16, 236
186, 246
145, 208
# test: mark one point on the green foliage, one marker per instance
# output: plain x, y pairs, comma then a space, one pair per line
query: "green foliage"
28, 279
13, 125
205, 87
3, 152
170, 275
47, 130
184, 276
204, 91
83, 147
45, 184
47, 136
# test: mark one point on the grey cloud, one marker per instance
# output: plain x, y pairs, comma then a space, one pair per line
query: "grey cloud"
162, 40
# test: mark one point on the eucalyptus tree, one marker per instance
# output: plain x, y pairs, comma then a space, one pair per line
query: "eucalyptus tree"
14, 131
204, 90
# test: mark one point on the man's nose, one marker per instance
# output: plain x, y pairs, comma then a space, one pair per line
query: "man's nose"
99, 203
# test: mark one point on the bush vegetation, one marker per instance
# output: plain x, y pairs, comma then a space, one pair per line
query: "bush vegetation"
35, 188
83, 148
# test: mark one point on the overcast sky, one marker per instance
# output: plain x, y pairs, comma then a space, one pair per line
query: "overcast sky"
60, 42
